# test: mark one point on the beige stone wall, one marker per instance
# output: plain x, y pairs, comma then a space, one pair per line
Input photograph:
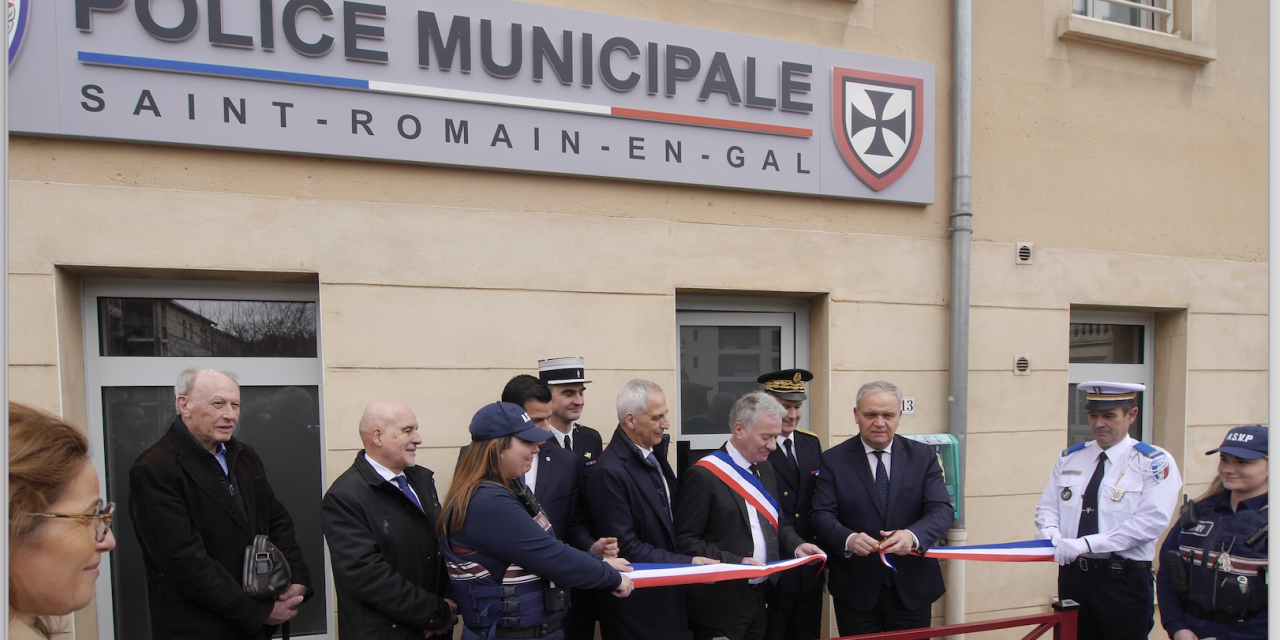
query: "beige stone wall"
1141, 182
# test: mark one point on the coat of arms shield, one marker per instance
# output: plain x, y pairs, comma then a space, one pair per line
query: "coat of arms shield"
878, 121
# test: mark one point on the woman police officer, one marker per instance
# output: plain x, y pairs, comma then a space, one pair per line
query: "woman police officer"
1213, 570
509, 572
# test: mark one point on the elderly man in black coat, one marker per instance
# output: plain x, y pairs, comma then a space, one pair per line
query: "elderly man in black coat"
379, 519
631, 493
197, 497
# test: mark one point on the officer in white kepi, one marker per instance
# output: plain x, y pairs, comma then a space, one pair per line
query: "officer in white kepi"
1107, 502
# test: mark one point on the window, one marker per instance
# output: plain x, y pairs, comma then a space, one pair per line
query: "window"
138, 336
1116, 347
724, 345
1156, 15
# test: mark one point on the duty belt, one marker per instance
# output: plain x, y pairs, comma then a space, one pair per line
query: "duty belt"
1198, 611
535, 631
1103, 565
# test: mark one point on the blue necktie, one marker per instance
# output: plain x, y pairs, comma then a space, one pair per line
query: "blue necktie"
882, 481
403, 483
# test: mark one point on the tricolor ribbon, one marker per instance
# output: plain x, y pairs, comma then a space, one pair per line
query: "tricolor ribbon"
666, 575
1026, 551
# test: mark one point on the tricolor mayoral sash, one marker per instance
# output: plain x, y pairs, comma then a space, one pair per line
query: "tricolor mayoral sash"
743, 483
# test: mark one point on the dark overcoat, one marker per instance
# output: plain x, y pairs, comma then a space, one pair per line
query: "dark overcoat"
711, 520
628, 504
388, 571
193, 534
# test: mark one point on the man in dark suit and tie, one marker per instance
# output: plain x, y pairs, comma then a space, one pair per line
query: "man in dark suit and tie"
632, 490
714, 520
798, 614
881, 492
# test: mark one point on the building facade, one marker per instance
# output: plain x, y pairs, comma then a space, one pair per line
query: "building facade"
1120, 200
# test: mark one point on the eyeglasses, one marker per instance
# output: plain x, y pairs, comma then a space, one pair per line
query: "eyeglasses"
101, 518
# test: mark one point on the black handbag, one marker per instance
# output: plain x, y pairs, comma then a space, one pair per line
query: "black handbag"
266, 573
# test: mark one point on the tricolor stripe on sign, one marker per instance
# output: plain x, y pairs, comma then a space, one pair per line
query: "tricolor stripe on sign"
666, 575
1025, 551
743, 483
437, 93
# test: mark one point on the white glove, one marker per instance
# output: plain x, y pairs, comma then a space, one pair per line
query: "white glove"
1051, 533
1068, 549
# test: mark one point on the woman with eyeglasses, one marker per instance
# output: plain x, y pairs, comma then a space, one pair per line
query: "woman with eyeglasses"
1212, 581
59, 527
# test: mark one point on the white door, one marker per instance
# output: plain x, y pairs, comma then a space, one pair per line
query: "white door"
139, 335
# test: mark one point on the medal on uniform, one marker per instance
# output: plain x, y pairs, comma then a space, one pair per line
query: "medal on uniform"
1117, 494
1066, 493
1224, 562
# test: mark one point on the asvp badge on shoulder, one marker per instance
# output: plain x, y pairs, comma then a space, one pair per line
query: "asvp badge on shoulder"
878, 122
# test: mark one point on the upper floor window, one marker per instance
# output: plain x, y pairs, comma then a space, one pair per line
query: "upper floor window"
1156, 15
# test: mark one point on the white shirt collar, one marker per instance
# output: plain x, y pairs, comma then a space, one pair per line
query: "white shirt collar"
782, 439
869, 448
382, 471
1118, 450
736, 456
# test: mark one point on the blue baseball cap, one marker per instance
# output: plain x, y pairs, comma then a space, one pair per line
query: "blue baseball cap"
1248, 443
505, 419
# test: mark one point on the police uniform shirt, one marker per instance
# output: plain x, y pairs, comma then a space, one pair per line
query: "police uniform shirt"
1135, 501
388, 475
757, 534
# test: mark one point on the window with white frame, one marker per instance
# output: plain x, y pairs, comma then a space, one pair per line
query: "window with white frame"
1115, 347
1156, 15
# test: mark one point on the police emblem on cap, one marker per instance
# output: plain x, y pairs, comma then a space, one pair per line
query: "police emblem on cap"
1066, 493
796, 378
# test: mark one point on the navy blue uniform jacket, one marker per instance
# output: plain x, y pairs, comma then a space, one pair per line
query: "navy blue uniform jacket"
502, 533
795, 499
626, 504
561, 491
844, 502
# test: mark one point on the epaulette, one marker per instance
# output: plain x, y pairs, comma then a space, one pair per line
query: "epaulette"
1150, 451
807, 432
1070, 450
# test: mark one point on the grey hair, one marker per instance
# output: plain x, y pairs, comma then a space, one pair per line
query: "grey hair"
748, 409
187, 379
634, 398
878, 385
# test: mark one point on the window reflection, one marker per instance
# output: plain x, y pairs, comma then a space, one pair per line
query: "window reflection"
153, 327
718, 365
1106, 343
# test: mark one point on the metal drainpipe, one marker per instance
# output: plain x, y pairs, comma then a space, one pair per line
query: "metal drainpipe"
961, 235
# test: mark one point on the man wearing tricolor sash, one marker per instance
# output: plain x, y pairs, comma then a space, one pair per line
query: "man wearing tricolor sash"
727, 510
